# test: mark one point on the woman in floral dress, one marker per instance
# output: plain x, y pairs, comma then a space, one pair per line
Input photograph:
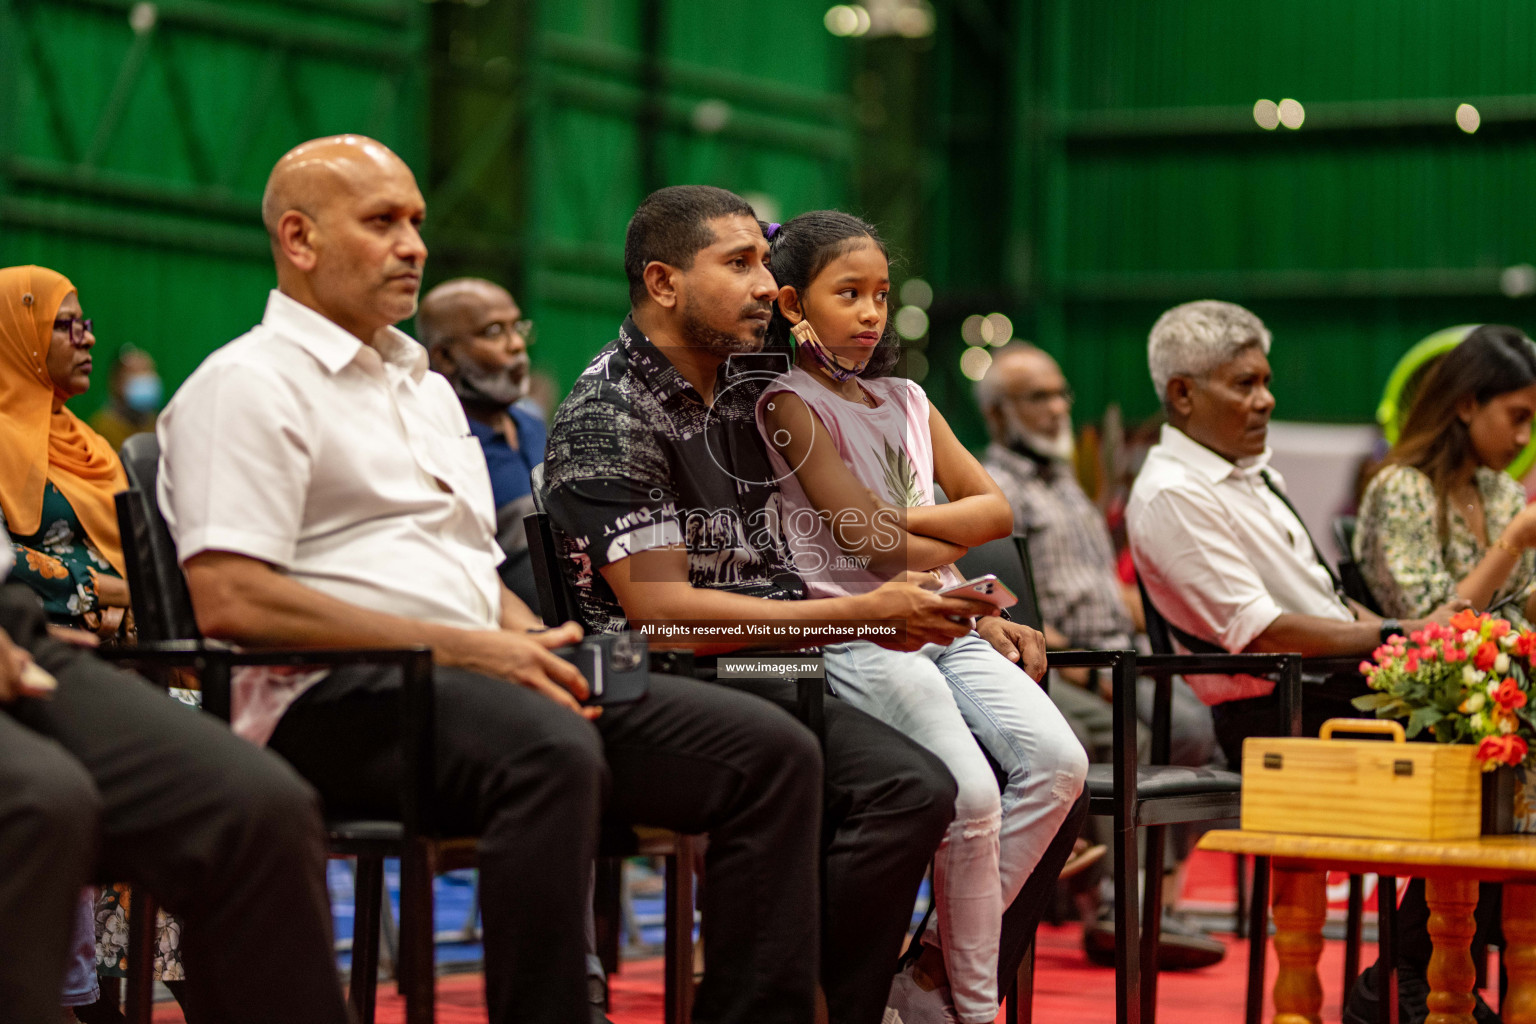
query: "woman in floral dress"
57, 482
1442, 519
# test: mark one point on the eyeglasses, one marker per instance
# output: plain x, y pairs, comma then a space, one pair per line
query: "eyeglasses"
77, 327
1041, 397
496, 330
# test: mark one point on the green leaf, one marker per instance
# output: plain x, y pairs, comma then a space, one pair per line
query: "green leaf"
1422, 718
1373, 701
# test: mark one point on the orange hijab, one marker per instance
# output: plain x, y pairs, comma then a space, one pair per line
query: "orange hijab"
40, 440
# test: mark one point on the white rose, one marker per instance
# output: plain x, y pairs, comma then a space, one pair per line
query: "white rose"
1475, 701
1469, 636
1506, 726
1501, 664
1472, 676
1479, 723
1493, 688
1507, 641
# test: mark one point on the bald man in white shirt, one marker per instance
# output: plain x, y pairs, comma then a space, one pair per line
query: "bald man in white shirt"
323, 488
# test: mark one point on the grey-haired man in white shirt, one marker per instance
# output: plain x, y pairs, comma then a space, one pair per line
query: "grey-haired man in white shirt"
1221, 552
1229, 564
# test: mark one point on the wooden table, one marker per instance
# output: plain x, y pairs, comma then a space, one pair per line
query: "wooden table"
1451, 871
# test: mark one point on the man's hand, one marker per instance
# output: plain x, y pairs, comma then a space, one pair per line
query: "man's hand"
929, 618
1016, 642
73, 637
1441, 616
19, 674
525, 659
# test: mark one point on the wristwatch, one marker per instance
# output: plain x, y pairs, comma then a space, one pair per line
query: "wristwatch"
1390, 628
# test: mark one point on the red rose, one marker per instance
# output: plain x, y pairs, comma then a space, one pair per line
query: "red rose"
1525, 644
1500, 627
1486, 654
1510, 750
1412, 664
1454, 654
1509, 695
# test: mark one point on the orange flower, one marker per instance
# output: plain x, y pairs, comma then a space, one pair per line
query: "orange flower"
1499, 628
46, 566
1466, 619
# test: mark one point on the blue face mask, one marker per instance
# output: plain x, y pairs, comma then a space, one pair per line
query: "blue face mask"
142, 393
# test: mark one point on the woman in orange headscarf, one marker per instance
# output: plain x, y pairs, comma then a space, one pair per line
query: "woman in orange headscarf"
57, 475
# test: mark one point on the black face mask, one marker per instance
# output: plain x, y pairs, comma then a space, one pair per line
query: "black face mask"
486, 389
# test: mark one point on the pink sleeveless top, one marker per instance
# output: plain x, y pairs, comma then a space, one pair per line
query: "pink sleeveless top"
888, 448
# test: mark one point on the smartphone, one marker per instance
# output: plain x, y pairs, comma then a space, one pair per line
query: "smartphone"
986, 588
616, 666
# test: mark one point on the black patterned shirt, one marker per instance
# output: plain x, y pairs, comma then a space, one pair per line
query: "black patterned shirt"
636, 461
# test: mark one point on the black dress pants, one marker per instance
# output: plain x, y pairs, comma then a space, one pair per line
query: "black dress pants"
886, 804
530, 778
111, 780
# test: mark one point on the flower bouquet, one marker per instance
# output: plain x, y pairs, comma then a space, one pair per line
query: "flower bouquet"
1469, 682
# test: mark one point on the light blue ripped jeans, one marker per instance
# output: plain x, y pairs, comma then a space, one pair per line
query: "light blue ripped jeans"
950, 699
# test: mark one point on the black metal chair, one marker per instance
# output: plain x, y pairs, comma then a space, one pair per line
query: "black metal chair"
162, 608
1289, 712
1137, 797
1350, 575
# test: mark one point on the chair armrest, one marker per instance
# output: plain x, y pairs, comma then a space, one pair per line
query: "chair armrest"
1333, 665
418, 717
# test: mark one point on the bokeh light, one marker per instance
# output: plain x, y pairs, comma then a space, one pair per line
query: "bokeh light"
1266, 115
1291, 114
917, 292
911, 322
970, 329
974, 362
1467, 118
997, 330
841, 20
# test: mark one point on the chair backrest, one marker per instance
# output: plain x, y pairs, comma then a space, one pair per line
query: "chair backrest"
162, 606
557, 598
536, 484
1007, 558
1349, 570
1161, 633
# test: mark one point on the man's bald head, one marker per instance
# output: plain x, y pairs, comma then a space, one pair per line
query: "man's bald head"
453, 307
313, 173
477, 338
1024, 397
344, 216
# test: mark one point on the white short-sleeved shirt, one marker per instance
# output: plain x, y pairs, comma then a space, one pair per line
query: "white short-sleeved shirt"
347, 467
1220, 554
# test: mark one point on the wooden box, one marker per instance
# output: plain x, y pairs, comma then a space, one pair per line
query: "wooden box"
1369, 788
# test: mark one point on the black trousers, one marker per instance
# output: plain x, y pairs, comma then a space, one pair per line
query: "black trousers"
886, 804
111, 780
529, 778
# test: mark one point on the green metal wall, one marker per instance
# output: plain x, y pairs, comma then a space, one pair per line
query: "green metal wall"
135, 139
551, 121
1137, 178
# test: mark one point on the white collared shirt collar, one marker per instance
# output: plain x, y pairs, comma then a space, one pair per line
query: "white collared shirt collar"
1206, 462
332, 345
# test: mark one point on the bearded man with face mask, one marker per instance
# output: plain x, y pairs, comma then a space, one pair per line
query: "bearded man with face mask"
477, 337
1027, 405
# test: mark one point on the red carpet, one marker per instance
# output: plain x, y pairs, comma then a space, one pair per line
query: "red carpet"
1067, 988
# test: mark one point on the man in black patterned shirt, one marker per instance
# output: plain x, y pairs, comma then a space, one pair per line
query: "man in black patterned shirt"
667, 511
